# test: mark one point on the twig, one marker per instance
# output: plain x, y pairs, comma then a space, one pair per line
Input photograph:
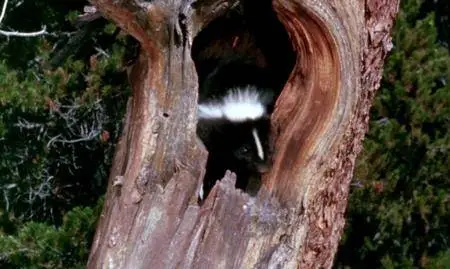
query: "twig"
16, 33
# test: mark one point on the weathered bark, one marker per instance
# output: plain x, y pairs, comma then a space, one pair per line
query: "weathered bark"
151, 218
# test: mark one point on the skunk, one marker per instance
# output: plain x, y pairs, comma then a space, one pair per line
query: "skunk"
240, 72
236, 90
235, 129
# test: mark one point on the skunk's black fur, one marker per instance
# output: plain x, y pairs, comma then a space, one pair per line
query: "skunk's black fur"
248, 48
232, 128
231, 146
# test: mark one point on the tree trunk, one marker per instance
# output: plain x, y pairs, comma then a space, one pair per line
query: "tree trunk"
151, 217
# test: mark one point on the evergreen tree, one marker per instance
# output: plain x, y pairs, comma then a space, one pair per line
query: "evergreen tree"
398, 215
62, 100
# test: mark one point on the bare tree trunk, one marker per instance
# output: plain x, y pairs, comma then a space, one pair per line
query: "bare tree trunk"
151, 218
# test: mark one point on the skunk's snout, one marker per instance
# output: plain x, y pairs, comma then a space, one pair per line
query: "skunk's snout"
260, 166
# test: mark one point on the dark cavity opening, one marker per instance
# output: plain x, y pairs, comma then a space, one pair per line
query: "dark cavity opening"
247, 49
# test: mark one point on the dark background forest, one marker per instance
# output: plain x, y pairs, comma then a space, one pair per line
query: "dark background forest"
62, 100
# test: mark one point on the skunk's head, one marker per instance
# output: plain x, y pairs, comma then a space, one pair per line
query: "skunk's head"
249, 145
235, 130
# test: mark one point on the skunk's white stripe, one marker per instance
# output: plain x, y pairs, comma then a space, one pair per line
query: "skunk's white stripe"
243, 111
210, 111
258, 144
237, 106
243, 104
201, 192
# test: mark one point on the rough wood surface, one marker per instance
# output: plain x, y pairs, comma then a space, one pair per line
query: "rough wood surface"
151, 218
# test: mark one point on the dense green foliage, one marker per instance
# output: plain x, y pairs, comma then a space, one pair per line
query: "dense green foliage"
399, 207
61, 114
39, 245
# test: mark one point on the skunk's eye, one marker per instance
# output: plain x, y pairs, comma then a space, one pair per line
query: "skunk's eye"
244, 150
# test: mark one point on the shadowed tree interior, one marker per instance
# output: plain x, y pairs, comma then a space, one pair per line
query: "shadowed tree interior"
248, 45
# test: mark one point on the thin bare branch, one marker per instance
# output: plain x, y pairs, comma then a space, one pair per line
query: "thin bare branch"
2, 15
22, 34
17, 33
